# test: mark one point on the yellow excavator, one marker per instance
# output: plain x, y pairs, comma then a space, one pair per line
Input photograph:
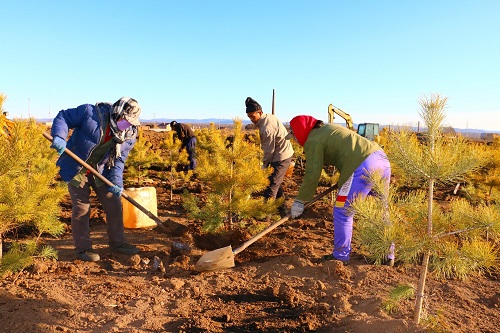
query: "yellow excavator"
367, 130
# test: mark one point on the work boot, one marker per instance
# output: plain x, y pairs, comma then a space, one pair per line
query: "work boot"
88, 255
328, 257
388, 262
124, 248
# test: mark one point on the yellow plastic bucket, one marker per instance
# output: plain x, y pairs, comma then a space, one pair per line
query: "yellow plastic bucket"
133, 218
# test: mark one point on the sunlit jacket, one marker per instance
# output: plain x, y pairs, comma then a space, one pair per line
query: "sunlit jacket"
328, 145
272, 139
89, 123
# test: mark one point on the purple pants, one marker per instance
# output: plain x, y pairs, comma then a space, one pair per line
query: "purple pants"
356, 185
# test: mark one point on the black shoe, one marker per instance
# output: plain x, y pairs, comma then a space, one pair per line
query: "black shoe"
88, 255
330, 257
125, 248
388, 262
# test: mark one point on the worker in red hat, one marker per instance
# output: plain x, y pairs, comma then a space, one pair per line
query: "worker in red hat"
354, 156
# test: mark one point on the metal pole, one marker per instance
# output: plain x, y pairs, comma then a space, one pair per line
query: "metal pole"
273, 103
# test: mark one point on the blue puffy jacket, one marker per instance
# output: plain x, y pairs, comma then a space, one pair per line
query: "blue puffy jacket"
88, 123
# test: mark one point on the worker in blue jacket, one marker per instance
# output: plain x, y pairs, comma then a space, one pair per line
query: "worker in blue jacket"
103, 135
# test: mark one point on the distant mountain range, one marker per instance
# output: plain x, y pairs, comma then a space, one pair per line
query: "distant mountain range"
245, 121
219, 121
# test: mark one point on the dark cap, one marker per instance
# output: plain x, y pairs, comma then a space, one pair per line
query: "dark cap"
252, 105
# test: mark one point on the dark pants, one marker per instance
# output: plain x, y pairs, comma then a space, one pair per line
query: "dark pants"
80, 216
191, 150
274, 189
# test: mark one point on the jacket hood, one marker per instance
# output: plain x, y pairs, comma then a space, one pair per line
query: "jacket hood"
301, 127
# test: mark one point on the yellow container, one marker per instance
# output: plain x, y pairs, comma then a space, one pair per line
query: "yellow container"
133, 218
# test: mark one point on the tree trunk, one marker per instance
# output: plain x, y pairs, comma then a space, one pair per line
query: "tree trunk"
421, 286
171, 177
425, 261
230, 212
1, 247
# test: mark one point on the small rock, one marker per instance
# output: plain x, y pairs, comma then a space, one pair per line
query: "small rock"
157, 264
135, 260
319, 285
181, 248
175, 284
40, 267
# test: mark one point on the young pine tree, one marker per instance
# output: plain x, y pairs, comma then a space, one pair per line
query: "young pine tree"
141, 158
454, 241
232, 170
173, 160
450, 241
485, 185
30, 195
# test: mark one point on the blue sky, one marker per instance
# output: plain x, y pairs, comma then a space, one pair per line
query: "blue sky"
201, 59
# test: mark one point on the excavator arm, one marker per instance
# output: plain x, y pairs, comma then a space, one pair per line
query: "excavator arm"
366, 130
331, 116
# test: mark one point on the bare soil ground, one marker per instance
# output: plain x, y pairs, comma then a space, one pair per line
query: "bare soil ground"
278, 284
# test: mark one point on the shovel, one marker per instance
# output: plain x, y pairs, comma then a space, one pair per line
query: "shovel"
177, 228
224, 257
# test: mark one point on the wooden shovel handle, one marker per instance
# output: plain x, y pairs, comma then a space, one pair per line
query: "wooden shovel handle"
278, 223
109, 183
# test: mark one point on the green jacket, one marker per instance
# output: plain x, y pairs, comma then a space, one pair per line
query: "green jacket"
329, 145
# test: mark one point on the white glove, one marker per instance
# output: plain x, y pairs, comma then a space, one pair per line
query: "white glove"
297, 208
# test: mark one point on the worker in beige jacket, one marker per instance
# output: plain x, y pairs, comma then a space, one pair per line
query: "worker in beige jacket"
278, 151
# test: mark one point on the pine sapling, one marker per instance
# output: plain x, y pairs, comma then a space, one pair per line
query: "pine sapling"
173, 160
433, 160
30, 195
140, 160
233, 173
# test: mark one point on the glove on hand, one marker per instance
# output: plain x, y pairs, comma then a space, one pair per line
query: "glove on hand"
116, 190
297, 208
58, 144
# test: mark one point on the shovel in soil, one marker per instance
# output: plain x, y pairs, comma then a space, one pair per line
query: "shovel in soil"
224, 257
173, 227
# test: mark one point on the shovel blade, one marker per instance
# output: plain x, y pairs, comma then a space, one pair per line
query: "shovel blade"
218, 259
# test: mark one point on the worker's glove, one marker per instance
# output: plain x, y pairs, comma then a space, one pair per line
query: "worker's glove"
297, 208
58, 144
116, 190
